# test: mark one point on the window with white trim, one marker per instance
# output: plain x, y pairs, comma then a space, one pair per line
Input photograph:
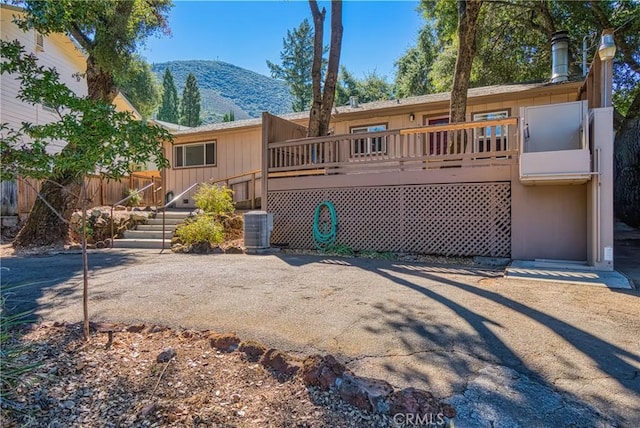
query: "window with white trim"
201, 154
369, 145
39, 41
483, 136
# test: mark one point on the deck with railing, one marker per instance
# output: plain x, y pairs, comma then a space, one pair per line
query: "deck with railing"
479, 143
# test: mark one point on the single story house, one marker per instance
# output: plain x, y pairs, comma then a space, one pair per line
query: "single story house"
234, 148
527, 176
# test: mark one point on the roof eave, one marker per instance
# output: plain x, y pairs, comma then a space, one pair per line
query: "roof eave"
401, 106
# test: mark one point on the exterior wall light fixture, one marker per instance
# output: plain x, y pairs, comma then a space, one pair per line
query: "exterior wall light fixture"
607, 49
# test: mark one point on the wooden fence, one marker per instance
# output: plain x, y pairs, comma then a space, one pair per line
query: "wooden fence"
100, 191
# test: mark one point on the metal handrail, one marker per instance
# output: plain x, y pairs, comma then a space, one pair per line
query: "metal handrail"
233, 177
173, 201
250, 180
134, 193
125, 200
168, 204
175, 198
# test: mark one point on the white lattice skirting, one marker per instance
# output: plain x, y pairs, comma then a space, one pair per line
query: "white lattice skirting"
469, 219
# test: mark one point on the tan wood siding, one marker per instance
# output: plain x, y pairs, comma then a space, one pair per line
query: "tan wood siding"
240, 150
236, 153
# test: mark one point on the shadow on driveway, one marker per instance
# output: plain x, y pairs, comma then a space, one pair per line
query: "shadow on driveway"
25, 280
619, 364
422, 323
447, 344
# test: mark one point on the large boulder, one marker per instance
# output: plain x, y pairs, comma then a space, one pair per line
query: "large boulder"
253, 350
226, 342
322, 371
99, 223
281, 364
365, 393
417, 402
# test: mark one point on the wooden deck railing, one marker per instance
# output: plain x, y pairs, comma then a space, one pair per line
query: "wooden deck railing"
243, 185
448, 145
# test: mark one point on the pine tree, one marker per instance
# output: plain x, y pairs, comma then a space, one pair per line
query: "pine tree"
168, 111
295, 67
190, 105
372, 88
229, 117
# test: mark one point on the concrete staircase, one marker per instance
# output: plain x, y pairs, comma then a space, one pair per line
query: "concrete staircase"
149, 235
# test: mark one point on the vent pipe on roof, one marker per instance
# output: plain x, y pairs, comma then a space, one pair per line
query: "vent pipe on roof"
353, 102
559, 57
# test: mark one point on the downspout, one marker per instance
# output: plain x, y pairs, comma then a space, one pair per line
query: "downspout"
598, 208
584, 55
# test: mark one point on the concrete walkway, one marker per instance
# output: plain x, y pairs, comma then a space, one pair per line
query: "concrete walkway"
551, 271
503, 352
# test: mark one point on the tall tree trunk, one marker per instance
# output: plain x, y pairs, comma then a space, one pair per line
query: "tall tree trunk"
100, 82
323, 98
468, 11
85, 263
626, 199
316, 69
331, 80
44, 227
540, 12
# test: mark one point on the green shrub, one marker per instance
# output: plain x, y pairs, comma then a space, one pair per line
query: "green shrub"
204, 228
369, 254
340, 250
214, 199
135, 199
88, 229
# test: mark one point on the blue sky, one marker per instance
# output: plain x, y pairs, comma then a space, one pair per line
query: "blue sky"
247, 33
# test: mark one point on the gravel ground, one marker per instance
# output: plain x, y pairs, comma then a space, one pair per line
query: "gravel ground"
400, 257
86, 384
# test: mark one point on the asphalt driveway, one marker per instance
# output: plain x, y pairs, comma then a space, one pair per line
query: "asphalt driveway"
503, 352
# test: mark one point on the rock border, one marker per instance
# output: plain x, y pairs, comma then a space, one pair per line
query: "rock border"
322, 371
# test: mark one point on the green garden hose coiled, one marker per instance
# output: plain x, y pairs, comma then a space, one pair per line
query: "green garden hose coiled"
325, 238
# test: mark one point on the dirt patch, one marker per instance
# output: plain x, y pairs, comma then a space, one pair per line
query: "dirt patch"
7, 235
6, 250
151, 376
400, 257
627, 252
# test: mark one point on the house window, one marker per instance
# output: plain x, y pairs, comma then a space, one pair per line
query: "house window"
39, 39
195, 154
48, 107
369, 145
438, 141
483, 136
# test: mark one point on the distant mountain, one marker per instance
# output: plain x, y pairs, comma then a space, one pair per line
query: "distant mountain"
225, 87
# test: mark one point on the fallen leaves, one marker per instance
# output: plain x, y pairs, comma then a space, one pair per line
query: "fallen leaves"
83, 384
